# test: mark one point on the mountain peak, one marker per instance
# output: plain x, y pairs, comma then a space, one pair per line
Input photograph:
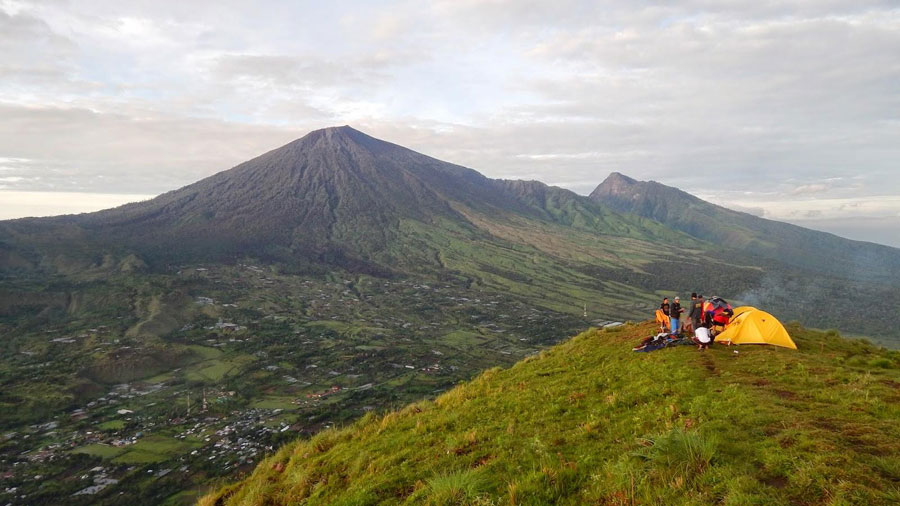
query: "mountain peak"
343, 136
616, 177
344, 130
614, 184
335, 133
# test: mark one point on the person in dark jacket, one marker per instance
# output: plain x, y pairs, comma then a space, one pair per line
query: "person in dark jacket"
688, 324
696, 313
665, 306
674, 314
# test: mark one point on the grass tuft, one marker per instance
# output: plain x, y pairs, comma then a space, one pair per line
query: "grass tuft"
461, 487
681, 454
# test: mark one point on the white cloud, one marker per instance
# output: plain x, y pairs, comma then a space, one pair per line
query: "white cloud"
809, 189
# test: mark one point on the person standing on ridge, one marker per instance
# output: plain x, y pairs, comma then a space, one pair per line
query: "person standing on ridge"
707, 312
696, 313
663, 318
674, 314
688, 325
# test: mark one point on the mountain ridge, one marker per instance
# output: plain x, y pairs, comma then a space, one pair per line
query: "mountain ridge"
339, 199
771, 239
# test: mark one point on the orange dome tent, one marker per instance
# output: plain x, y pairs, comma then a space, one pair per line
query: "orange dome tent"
753, 326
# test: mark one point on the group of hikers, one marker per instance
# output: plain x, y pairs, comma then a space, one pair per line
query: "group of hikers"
704, 319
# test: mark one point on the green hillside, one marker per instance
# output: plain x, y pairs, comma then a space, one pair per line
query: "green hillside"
590, 422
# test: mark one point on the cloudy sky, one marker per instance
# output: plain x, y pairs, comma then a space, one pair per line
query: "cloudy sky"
787, 109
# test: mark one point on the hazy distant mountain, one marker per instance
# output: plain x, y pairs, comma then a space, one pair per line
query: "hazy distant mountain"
782, 242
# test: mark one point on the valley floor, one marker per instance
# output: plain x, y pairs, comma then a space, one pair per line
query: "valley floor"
156, 388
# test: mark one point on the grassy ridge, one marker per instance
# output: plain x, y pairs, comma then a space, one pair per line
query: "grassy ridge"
589, 421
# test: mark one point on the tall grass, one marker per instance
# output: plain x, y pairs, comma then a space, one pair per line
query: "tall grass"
461, 487
679, 452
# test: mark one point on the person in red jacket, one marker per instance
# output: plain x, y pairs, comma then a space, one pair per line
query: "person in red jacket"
721, 317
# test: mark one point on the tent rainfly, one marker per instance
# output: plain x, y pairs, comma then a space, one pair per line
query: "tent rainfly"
742, 309
752, 326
